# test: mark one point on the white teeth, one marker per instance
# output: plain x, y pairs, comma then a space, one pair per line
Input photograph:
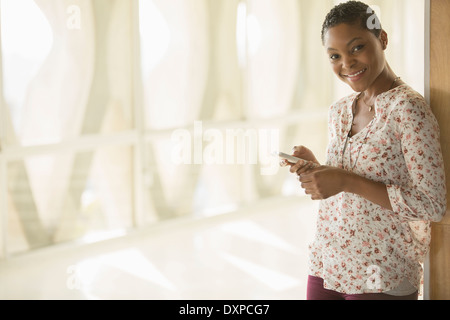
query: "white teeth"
356, 74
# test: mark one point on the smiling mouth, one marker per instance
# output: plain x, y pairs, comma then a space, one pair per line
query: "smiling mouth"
354, 75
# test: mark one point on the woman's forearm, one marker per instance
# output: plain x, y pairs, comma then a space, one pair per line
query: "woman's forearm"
375, 192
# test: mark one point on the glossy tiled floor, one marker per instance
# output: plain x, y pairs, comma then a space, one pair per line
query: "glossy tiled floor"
257, 254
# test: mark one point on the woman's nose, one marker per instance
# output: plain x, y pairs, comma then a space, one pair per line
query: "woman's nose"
348, 62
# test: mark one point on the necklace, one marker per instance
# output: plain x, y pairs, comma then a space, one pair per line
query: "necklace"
352, 166
369, 129
362, 94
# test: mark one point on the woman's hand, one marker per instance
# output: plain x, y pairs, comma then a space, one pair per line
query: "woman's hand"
323, 182
304, 153
320, 182
301, 166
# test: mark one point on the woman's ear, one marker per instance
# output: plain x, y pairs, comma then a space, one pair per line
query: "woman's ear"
384, 39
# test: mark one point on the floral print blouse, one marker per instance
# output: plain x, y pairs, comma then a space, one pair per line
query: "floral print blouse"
360, 247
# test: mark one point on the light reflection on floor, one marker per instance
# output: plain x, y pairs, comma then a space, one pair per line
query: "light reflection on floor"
259, 255
277, 281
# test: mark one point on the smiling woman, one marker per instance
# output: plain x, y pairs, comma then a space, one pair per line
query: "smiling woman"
357, 56
383, 182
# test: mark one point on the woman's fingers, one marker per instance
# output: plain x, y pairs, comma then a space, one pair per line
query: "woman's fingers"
304, 153
284, 163
300, 151
302, 167
323, 182
299, 167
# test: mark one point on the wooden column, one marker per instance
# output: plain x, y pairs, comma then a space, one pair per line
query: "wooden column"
439, 267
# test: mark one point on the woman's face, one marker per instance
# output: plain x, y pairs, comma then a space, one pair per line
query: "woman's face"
356, 55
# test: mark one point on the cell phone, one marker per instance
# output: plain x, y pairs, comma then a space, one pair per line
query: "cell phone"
288, 157
292, 159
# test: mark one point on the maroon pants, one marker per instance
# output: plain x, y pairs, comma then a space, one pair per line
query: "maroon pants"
316, 291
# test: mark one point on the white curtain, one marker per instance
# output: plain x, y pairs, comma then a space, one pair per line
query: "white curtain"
81, 87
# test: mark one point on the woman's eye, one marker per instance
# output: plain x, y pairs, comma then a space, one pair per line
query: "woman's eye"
334, 57
358, 48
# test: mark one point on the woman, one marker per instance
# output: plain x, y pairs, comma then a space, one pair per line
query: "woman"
383, 183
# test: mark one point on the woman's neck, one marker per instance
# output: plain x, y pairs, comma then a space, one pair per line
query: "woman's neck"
384, 82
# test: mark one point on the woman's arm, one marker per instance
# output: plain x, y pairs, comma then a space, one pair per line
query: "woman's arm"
419, 195
375, 192
325, 182
423, 197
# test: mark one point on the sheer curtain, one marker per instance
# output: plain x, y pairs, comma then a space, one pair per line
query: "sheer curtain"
63, 82
190, 73
119, 114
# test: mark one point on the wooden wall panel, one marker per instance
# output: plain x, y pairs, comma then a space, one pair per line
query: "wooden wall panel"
439, 280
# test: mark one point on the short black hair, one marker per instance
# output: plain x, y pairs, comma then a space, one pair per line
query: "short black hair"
352, 12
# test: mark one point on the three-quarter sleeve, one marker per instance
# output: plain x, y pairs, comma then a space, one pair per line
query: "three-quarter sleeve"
422, 194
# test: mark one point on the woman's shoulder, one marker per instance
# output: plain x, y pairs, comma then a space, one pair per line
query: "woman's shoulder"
408, 105
343, 102
347, 99
404, 96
